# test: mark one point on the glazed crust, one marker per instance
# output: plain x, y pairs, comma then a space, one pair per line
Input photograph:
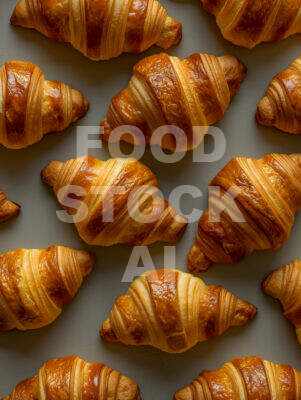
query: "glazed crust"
281, 106
70, 378
250, 22
101, 29
248, 378
262, 195
8, 209
284, 284
164, 90
126, 208
31, 107
173, 311
35, 284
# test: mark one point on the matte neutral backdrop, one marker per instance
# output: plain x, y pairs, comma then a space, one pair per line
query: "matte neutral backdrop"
76, 332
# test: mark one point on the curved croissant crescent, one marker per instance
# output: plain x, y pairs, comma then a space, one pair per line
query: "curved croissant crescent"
119, 201
173, 311
31, 107
35, 284
250, 22
101, 29
248, 378
71, 378
281, 106
253, 208
164, 90
8, 209
285, 284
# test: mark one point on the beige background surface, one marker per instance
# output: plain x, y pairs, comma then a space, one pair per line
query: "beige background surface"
76, 331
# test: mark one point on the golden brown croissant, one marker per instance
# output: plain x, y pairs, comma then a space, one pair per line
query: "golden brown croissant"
268, 195
248, 378
35, 284
281, 106
167, 91
139, 217
31, 107
249, 22
101, 29
285, 284
8, 209
71, 378
173, 311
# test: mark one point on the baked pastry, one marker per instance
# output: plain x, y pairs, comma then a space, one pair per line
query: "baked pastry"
164, 90
248, 378
281, 106
262, 195
35, 284
250, 22
71, 378
285, 284
8, 209
31, 107
173, 311
124, 208
101, 29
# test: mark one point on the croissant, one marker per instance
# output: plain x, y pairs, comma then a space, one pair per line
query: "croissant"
263, 195
250, 22
31, 107
164, 90
71, 378
127, 189
8, 209
281, 106
285, 284
248, 378
173, 311
101, 29
35, 284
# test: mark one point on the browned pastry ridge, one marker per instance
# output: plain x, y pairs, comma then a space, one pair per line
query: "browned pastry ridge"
71, 378
101, 29
8, 209
31, 107
281, 106
126, 208
285, 284
248, 378
263, 195
35, 284
173, 311
250, 22
164, 90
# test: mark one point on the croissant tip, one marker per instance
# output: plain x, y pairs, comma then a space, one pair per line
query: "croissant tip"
264, 113
245, 311
13, 18
50, 172
198, 262
15, 207
265, 283
105, 130
171, 34
107, 333
86, 260
80, 105
175, 231
235, 72
85, 107
10, 210
20, 16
